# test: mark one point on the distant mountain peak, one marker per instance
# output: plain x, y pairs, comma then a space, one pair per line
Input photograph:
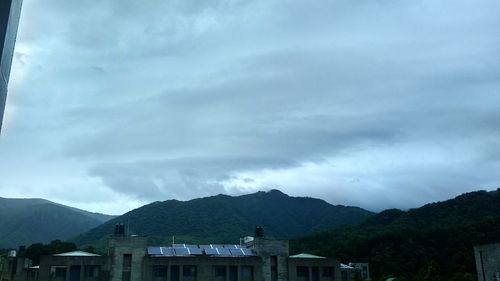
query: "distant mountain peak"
276, 192
26, 221
225, 218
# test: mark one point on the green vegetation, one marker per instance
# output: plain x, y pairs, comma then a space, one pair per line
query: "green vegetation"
27, 221
224, 219
434, 242
35, 251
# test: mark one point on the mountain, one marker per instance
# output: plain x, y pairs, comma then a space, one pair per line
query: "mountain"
433, 242
224, 219
27, 221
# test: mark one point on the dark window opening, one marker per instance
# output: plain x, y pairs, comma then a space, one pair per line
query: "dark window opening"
233, 273
127, 261
302, 271
175, 273
60, 272
91, 271
274, 268
159, 271
315, 273
327, 271
189, 271
246, 273
220, 271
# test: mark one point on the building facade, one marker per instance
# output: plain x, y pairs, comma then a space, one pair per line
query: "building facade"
74, 266
10, 11
488, 262
8, 266
129, 258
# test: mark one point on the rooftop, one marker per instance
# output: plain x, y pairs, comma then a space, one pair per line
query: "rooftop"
77, 254
211, 250
306, 256
345, 266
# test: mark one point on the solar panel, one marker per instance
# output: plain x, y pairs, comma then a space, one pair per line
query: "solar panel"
195, 251
224, 252
248, 252
181, 251
154, 251
167, 251
211, 252
236, 252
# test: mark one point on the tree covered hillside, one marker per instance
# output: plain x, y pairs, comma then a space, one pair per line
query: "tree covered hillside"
433, 242
224, 219
27, 221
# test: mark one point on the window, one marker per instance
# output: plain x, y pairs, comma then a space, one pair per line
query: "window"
61, 272
74, 272
233, 273
91, 271
327, 271
315, 273
302, 271
246, 273
127, 261
126, 276
220, 271
159, 271
274, 268
58, 272
189, 272
127, 264
345, 275
175, 273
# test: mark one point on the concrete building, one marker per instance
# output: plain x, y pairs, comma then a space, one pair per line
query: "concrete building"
8, 266
362, 269
306, 267
10, 11
347, 273
488, 262
129, 258
73, 266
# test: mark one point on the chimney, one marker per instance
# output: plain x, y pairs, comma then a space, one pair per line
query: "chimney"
259, 232
119, 229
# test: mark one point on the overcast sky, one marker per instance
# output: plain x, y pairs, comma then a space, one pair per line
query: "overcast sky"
373, 103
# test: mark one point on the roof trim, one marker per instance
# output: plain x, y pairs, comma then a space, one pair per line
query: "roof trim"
306, 256
77, 254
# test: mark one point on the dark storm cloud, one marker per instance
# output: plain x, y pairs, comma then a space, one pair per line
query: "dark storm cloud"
379, 104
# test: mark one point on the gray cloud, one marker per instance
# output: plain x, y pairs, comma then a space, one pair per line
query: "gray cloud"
378, 104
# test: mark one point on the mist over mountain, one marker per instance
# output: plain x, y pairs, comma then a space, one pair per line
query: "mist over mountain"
224, 219
27, 221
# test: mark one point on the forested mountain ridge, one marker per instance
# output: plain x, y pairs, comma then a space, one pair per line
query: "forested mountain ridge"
27, 221
224, 219
433, 242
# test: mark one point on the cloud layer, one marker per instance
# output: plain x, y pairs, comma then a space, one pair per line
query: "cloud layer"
378, 104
